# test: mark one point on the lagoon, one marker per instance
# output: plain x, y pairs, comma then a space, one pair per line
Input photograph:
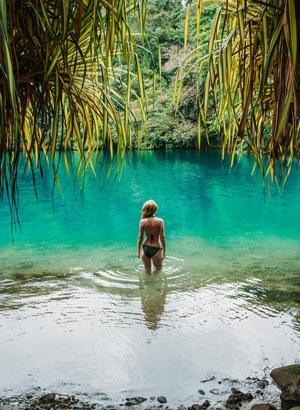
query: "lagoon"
80, 316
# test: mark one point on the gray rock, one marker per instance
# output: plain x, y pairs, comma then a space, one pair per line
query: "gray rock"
54, 398
262, 384
209, 379
290, 397
132, 401
195, 407
162, 399
237, 397
215, 391
286, 375
202, 406
263, 406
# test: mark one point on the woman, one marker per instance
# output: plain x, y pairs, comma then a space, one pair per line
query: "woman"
154, 246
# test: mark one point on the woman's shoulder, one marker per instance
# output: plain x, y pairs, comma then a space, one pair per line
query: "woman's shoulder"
144, 221
153, 219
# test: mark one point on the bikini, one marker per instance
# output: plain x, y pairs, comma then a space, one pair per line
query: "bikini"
149, 250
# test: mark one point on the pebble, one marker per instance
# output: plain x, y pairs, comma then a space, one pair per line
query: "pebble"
134, 400
55, 401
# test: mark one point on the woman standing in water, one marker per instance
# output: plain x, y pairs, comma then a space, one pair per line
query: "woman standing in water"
154, 247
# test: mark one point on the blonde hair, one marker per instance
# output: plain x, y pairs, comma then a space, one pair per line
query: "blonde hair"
149, 208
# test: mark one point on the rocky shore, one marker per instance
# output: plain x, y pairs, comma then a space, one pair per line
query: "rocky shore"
287, 380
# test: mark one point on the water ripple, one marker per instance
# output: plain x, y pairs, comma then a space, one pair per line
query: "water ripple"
115, 279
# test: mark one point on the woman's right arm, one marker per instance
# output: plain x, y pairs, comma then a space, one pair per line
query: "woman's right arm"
163, 239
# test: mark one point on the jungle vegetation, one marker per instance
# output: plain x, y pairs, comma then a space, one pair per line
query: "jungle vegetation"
102, 76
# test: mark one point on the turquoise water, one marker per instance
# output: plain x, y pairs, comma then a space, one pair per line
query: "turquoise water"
78, 314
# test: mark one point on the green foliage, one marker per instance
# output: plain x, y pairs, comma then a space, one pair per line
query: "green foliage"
193, 71
65, 78
165, 39
164, 131
164, 24
252, 80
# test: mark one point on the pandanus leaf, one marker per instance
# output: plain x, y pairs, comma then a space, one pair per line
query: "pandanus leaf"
62, 86
253, 80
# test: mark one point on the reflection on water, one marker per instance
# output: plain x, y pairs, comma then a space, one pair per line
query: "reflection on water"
78, 310
153, 289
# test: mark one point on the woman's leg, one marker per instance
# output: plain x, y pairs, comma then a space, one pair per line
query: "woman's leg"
157, 260
146, 262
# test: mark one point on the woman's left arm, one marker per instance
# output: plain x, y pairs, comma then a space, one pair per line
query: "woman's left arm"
140, 239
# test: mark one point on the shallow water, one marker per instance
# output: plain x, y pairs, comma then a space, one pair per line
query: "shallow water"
79, 315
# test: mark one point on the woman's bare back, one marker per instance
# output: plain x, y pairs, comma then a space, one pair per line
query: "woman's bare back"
152, 228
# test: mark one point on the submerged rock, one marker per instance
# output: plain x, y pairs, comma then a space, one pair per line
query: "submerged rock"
132, 401
237, 397
211, 378
202, 406
55, 398
262, 384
